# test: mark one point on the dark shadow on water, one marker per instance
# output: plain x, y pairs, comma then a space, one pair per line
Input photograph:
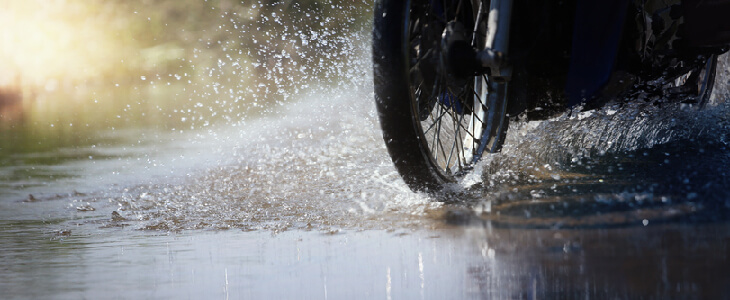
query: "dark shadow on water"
683, 181
644, 224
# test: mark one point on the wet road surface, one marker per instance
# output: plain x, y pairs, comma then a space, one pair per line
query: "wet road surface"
307, 205
304, 203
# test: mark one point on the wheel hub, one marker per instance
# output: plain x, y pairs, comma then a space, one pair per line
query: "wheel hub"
458, 57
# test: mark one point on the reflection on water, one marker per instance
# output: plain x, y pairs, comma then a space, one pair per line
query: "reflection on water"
163, 191
311, 202
235, 265
664, 261
654, 262
307, 199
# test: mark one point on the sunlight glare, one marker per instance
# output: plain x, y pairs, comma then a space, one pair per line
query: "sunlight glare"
50, 43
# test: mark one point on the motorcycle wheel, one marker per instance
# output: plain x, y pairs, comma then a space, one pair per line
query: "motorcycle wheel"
695, 87
708, 81
437, 119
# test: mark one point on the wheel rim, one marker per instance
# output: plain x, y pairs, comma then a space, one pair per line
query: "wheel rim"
450, 112
695, 86
708, 81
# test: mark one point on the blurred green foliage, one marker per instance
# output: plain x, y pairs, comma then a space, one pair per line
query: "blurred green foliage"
252, 38
185, 65
229, 57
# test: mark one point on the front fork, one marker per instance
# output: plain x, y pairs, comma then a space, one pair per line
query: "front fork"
492, 57
496, 44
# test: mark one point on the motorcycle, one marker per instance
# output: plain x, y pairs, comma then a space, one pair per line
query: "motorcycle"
450, 74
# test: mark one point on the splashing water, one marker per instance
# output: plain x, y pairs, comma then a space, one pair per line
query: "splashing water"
284, 135
279, 131
320, 165
617, 165
277, 134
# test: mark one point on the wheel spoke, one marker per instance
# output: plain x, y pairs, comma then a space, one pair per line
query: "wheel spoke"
458, 10
436, 120
474, 33
434, 98
456, 123
444, 102
431, 98
437, 139
451, 111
